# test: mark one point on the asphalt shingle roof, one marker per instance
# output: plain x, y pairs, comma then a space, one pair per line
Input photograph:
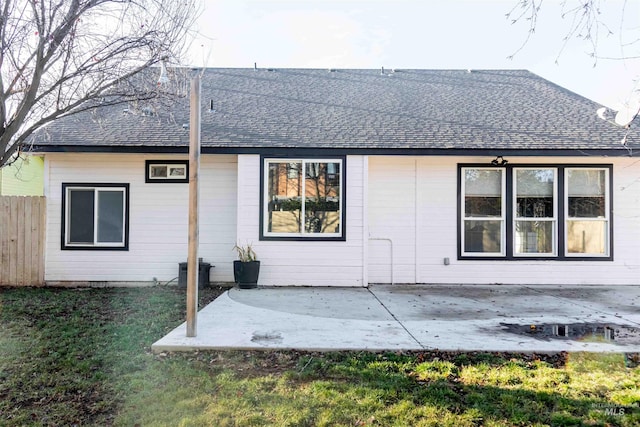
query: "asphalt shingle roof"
355, 109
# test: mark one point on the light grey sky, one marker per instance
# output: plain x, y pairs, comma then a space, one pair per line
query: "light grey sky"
428, 34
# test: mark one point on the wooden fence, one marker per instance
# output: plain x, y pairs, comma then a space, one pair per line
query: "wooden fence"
22, 236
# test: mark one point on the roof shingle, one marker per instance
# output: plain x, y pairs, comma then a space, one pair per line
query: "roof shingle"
355, 109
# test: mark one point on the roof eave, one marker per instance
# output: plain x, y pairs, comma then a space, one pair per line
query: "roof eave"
582, 152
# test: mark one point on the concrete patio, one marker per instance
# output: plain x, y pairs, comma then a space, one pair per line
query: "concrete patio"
512, 318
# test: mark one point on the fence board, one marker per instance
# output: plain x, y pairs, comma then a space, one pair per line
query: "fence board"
38, 216
4, 238
13, 240
22, 234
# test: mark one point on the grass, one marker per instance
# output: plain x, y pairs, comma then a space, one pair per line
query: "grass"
81, 357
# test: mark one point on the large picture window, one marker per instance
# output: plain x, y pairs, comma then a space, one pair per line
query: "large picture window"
95, 216
524, 212
303, 198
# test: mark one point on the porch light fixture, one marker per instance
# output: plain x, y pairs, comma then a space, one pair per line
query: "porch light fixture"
499, 161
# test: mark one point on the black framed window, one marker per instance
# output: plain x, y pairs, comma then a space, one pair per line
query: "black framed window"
303, 198
535, 211
587, 208
558, 212
166, 171
483, 221
95, 216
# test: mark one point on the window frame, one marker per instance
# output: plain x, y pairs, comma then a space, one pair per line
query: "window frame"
96, 187
264, 192
608, 187
148, 164
560, 209
554, 219
502, 218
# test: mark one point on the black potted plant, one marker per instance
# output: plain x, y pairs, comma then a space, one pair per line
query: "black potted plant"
247, 268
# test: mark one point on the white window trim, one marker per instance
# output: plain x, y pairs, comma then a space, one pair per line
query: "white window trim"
168, 165
95, 244
302, 233
561, 211
502, 218
605, 218
554, 220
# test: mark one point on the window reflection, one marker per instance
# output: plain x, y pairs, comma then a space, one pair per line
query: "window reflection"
284, 197
484, 213
535, 211
550, 211
586, 205
318, 212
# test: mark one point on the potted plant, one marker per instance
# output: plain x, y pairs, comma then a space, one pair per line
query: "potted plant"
247, 268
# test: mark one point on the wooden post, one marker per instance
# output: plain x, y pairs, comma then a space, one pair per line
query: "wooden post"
194, 166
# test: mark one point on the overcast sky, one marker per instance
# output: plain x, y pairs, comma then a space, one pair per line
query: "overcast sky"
426, 34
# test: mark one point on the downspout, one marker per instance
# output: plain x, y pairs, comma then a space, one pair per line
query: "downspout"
365, 221
415, 221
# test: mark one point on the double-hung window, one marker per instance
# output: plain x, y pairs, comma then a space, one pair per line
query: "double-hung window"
534, 211
484, 218
95, 216
543, 212
587, 211
303, 199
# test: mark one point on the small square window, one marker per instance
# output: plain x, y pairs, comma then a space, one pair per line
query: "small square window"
158, 171
167, 171
177, 172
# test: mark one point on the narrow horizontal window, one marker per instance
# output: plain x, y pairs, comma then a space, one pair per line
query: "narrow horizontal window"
166, 171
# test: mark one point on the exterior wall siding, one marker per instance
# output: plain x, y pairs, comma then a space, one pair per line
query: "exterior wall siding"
23, 178
158, 219
399, 202
392, 220
404, 203
303, 263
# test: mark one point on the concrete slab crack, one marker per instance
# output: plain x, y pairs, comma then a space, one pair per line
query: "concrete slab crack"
396, 319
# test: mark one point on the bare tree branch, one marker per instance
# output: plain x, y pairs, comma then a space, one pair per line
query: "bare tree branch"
584, 21
60, 57
525, 10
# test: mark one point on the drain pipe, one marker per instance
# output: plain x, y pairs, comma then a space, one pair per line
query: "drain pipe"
386, 239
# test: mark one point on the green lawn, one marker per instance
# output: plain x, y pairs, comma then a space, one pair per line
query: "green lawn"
82, 357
